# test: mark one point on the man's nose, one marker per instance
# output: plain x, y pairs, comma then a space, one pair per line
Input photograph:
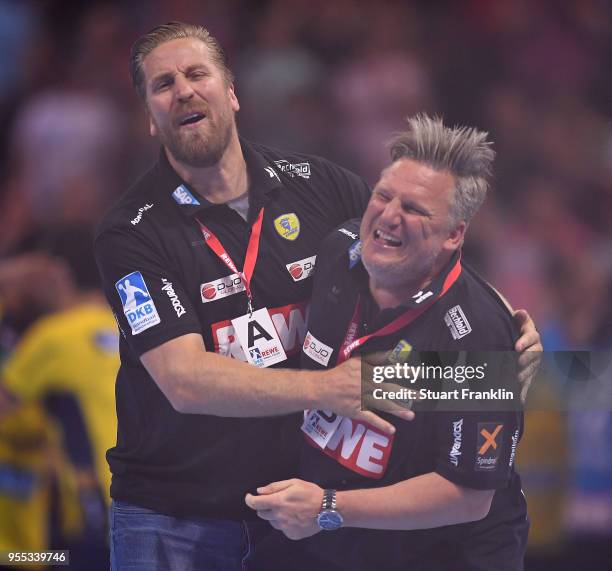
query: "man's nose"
183, 88
391, 212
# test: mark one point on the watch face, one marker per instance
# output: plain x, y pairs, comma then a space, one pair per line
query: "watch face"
329, 520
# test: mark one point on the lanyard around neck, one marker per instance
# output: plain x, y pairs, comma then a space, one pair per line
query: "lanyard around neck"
251, 255
350, 343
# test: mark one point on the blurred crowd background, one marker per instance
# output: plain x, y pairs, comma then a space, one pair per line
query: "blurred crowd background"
333, 78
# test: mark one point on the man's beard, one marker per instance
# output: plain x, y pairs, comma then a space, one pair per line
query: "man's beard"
195, 149
403, 275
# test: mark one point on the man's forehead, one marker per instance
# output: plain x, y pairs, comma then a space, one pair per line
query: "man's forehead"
177, 54
408, 174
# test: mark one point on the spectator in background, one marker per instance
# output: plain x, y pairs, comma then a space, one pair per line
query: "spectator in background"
66, 359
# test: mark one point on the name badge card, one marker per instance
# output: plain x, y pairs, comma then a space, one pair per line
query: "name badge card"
320, 426
259, 339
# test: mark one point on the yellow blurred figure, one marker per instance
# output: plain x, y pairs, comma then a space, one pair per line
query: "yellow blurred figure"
66, 354
74, 351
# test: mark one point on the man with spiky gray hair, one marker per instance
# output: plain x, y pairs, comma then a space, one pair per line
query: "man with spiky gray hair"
443, 489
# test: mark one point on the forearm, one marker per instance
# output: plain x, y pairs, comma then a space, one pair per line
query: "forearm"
421, 502
216, 385
201, 382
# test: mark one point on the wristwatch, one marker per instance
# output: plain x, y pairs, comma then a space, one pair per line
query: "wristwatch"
328, 518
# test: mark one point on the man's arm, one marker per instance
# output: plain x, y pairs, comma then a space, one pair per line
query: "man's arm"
421, 502
201, 382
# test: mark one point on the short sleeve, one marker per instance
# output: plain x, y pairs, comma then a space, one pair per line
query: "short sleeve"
476, 449
144, 290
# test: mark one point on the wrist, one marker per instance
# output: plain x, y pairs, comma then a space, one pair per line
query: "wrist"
314, 389
329, 517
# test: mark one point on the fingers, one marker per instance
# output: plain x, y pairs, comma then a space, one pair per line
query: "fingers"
376, 421
403, 414
530, 338
260, 502
524, 390
521, 317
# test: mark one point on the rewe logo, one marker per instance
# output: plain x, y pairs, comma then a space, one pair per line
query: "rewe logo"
289, 322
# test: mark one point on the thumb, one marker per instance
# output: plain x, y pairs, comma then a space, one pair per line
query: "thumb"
274, 487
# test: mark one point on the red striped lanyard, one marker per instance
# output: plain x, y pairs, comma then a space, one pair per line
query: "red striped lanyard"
251, 255
350, 343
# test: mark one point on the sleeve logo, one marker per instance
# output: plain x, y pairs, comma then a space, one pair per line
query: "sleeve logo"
488, 446
137, 303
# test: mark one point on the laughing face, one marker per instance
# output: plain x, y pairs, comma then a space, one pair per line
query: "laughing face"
407, 233
190, 103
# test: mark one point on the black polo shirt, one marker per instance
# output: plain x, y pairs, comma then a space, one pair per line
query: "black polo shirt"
469, 316
163, 281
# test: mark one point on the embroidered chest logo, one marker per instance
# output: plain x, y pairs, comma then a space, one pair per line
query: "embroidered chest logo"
288, 226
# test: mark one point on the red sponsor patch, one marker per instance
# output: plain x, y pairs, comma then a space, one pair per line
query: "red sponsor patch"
359, 447
296, 271
209, 291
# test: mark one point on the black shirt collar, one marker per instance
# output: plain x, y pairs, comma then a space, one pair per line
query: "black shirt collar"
263, 179
423, 297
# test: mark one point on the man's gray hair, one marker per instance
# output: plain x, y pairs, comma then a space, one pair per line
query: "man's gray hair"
465, 152
144, 45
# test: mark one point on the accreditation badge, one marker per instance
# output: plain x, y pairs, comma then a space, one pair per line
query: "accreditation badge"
320, 425
259, 339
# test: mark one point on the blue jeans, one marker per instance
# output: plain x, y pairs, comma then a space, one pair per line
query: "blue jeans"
145, 540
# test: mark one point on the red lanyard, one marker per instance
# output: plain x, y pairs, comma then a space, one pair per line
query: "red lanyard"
251, 255
350, 343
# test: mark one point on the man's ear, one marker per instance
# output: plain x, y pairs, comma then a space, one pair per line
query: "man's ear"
455, 236
233, 99
152, 126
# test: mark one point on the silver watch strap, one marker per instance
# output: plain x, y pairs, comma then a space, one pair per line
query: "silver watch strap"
329, 500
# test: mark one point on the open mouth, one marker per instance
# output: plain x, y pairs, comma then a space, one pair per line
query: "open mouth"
386, 239
191, 119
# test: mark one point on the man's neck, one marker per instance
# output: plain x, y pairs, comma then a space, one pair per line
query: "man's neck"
391, 296
220, 183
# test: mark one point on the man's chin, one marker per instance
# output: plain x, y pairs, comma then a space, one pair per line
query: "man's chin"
196, 154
